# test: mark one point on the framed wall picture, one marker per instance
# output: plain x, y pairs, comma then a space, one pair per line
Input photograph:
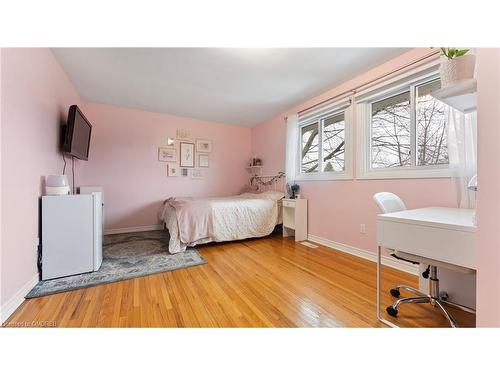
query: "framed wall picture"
196, 174
186, 154
173, 170
182, 134
203, 160
203, 145
167, 154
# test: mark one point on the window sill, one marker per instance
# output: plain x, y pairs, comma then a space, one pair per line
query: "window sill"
324, 176
404, 174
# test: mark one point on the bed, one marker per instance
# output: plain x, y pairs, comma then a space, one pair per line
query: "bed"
194, 221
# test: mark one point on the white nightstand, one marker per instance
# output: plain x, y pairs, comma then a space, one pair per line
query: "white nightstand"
295, 218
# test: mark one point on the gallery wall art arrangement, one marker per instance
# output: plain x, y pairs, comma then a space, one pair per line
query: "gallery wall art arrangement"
184, 156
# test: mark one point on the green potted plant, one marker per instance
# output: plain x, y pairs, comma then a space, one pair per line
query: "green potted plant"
456, 65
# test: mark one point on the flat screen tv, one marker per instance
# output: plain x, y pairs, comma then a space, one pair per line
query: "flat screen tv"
77, 135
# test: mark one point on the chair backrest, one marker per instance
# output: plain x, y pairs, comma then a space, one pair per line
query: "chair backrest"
389, 202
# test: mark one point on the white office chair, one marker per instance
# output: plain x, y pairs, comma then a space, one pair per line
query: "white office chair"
389, 202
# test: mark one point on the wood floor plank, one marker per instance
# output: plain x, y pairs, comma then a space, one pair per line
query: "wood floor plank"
267, 282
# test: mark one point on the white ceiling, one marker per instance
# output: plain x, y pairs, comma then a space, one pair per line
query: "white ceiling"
229, 85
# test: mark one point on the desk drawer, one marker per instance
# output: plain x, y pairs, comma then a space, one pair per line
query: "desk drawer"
450, 246
287, 203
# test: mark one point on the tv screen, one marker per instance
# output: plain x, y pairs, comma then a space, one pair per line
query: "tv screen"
77, 138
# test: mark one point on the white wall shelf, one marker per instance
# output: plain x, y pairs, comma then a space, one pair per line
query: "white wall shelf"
461, 96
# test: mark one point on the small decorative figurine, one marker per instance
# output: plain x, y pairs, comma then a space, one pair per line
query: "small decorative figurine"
295, 189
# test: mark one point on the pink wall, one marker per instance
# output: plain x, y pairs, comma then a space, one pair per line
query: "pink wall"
269, 144
337, 208
36, 94
124, 160
488, 199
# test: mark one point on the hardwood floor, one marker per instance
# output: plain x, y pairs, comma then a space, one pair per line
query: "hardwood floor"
269, 282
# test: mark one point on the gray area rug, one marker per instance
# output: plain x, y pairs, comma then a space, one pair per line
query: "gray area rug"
125, 256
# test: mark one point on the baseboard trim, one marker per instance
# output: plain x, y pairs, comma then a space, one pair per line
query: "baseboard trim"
365, 254
134, 229
17, 299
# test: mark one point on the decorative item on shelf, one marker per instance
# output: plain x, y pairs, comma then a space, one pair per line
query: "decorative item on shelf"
170, 141
166, 154
203, 145
182, 134
56, 185
456, 66
184, 172
256, 162
255, 166
294, 190
186, 154
196, 174
203, 160
173, 170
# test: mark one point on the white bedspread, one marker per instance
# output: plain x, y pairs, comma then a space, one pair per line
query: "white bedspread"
234, 218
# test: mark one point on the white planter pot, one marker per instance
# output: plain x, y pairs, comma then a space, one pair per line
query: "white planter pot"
457, 69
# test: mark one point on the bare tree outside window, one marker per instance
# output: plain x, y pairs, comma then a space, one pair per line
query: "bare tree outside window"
392, 125
309, 136
432, 145
332, 145
391, 132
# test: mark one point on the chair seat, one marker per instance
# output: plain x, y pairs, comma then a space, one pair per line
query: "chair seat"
431, 262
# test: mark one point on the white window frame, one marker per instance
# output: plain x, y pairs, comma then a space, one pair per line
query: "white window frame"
364, 168
347, 173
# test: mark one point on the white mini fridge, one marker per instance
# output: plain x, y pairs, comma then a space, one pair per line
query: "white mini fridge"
71, 234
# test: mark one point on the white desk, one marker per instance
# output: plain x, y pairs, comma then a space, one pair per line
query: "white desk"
443, 234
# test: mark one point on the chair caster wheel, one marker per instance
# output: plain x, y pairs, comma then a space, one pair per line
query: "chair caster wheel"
444, 296
395, 293
391, 311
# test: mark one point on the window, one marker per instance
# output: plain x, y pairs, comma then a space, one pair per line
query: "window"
432, 147
405, 132
310, 149
390, 127
323, 141
334, 144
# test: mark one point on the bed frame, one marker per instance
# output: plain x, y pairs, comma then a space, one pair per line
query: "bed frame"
269, 182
